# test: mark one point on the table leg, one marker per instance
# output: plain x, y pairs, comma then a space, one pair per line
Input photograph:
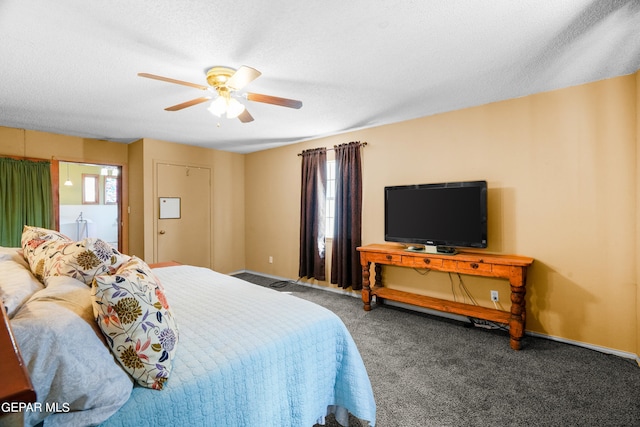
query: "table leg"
378, 283
378, 269
366, 287
517, 320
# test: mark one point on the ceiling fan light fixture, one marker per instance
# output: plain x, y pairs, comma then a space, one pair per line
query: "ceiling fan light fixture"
218, 106
226, 82
234, 108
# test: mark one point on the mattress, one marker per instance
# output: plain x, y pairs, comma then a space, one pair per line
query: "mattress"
250, 356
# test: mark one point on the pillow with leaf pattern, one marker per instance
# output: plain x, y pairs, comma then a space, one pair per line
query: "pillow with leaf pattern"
133, 314
82, 260
35, 241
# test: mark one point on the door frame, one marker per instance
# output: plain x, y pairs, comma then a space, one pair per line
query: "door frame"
156, 206
123, 199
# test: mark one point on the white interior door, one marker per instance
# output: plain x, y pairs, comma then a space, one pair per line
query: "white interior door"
183, 214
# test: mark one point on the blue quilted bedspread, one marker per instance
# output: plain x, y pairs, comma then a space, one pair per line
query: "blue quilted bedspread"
250, 356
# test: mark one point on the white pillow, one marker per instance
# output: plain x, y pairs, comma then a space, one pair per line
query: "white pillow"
17, 284
14, 254
67, 358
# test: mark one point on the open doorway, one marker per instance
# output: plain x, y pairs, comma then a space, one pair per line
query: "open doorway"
89, 201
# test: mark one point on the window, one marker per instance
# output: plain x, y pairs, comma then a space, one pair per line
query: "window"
110, 190
331, 199
90, 189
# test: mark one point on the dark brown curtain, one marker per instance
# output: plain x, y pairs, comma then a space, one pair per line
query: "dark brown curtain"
312, 214
347, 235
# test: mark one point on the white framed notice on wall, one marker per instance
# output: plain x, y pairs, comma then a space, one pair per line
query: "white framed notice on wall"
169, 207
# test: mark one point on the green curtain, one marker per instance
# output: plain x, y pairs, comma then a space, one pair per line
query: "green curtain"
25, 198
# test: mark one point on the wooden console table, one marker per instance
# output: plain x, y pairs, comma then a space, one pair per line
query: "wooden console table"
510, 267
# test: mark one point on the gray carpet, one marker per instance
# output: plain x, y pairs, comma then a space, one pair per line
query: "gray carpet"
430, 371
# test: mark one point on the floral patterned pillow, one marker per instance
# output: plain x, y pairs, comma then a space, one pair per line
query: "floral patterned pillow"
82, 260
132, 311
35, 241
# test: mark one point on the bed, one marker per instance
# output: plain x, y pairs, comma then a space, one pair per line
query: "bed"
244, 355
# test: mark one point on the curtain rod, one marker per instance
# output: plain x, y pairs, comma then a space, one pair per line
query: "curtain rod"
362, 144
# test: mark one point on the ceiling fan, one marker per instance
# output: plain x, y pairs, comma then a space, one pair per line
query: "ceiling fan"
224, 82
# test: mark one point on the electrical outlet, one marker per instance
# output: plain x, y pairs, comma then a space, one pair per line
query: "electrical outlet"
494, 296
270, 259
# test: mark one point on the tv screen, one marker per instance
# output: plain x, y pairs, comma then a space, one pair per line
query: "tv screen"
445, 215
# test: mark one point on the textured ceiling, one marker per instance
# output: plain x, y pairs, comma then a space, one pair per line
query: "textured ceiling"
70, 66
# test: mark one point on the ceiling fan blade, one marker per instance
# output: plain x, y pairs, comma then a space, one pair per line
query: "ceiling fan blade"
268, 99
242, 77
188, 103
169, 80
245, 116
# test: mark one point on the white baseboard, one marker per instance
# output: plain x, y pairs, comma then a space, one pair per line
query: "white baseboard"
601, 349
309, 285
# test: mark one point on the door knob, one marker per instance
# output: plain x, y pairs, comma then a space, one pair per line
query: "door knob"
162, 231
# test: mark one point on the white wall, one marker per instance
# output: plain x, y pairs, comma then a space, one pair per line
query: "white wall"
102, 221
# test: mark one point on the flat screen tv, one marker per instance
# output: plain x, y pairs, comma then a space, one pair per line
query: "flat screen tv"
440, 216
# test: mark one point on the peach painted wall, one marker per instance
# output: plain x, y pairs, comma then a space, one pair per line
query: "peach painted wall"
45, 145
227, 195
562, 168
137, 160
638, 215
